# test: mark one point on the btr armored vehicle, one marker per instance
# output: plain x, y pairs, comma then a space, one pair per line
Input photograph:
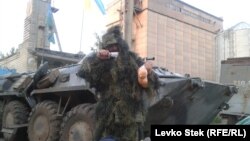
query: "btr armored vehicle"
57, 104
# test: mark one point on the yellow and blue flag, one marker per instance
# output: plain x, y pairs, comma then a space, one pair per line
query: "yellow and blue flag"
88, 5
100, 6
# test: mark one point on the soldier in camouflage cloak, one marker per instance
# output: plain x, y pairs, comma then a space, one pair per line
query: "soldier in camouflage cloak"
120, 110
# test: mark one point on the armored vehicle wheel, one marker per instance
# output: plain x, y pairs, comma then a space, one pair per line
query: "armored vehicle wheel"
231, 120
14, 113
78, 124
44, 123
1, 116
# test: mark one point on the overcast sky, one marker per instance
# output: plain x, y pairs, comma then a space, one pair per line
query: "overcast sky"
69, 20
232, 11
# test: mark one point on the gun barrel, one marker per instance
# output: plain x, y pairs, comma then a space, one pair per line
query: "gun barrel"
150, 58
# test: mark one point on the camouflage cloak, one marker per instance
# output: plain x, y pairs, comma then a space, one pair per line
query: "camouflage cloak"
120, 109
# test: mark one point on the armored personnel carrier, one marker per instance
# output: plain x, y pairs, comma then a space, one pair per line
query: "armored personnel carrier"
49, 105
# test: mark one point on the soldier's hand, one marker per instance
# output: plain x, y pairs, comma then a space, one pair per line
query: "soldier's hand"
142, 76
103, 54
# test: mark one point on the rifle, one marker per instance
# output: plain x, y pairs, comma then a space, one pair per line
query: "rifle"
148, 58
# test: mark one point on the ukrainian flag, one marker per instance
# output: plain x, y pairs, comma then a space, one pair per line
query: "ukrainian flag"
100, 6
88, 5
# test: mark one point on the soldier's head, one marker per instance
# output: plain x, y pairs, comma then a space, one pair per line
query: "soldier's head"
113, 41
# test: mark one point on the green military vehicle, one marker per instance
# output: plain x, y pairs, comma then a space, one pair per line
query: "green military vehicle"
57, 104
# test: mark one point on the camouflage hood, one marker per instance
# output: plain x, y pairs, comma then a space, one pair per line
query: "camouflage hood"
114, 36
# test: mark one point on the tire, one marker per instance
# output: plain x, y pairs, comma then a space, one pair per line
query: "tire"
44, 123
232, 120
15, 112
78, 124
1, 117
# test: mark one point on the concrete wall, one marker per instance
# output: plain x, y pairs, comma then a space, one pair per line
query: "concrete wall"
22, 61
182, 38
35, 24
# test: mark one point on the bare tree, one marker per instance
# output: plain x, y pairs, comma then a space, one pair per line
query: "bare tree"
2, 55
12, 52
98, 43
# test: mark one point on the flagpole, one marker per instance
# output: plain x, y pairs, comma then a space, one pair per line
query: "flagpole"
82, 30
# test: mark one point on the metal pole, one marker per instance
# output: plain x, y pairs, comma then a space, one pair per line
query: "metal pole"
82, 31
128, 21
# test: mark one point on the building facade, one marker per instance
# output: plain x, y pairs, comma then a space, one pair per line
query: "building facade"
179, 36
232, 43
36, 24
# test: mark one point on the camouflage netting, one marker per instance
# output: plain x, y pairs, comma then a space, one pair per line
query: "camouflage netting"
120, 109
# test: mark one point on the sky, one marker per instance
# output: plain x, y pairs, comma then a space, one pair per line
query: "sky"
68, 21
70, 16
